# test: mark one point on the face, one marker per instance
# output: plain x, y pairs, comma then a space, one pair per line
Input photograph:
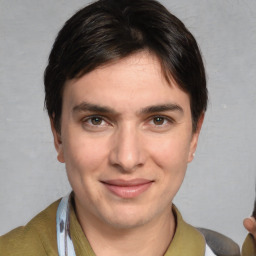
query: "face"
126, 138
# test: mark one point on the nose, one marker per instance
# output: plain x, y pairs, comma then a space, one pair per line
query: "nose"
127, 153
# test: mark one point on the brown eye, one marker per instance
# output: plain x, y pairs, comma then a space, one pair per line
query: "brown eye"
159, 120
96, 120
96, 124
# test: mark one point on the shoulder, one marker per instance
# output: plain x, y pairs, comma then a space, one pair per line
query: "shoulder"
38, 237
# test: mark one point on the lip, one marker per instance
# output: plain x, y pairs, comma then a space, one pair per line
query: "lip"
127, 188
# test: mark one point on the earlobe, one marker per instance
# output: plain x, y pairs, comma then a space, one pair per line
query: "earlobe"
57, 142
194, 141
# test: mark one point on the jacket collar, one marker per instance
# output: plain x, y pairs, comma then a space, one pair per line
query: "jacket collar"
186, 241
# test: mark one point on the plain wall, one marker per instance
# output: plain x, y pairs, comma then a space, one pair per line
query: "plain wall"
219, 188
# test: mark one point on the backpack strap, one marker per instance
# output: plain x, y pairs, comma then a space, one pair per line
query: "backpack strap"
221, 245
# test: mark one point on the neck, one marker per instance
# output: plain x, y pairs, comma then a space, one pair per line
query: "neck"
111, 241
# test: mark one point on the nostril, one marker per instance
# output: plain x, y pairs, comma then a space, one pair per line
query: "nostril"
125, 168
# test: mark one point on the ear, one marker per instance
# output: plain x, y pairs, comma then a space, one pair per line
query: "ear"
57, 142
194, 139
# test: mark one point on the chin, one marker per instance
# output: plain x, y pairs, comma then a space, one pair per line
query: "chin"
127, 218
127, 223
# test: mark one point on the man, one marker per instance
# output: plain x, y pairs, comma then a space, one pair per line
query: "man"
126, 95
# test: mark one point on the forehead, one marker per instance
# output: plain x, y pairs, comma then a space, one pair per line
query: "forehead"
134, 81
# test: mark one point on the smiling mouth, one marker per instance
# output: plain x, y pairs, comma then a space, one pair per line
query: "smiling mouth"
127, 189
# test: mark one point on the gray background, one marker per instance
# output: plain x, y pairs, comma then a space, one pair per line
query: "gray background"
219, 188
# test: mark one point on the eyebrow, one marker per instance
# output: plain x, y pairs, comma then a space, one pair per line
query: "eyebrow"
85, 106
162, 108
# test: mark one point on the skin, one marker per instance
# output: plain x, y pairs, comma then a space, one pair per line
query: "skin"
250, 225
124, 121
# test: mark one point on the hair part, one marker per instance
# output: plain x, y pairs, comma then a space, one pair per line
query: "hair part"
109, 30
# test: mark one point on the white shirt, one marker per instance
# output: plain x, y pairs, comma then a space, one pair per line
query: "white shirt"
208, 251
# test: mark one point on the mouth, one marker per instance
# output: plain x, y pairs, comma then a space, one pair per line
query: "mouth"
127, 188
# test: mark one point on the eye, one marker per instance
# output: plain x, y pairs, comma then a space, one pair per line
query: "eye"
96, 120
95, 123
159, 120
160, 123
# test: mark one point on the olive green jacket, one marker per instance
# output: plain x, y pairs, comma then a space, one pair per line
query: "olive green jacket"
38, 238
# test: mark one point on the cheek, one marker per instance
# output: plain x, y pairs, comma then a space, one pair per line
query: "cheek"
171, 157
171, 152
84, 154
